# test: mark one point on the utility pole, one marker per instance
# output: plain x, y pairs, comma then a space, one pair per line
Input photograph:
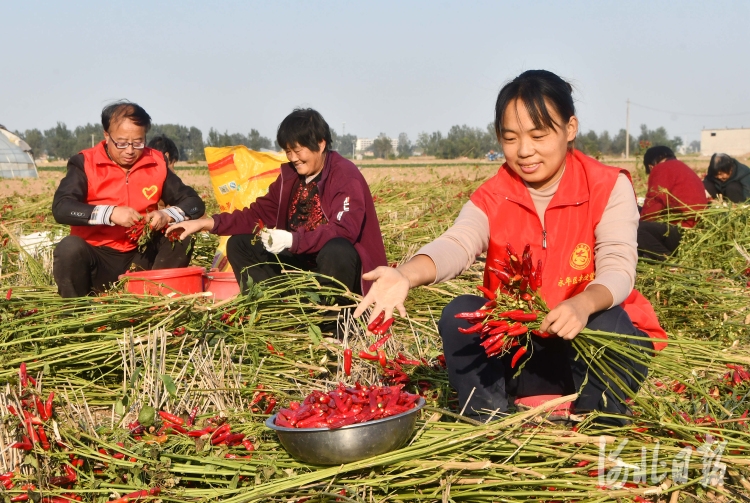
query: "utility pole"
92, 141
627, 132
344, 128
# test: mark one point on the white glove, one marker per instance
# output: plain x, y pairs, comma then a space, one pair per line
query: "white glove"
276, 240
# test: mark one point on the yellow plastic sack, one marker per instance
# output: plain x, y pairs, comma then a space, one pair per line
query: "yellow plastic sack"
239, 175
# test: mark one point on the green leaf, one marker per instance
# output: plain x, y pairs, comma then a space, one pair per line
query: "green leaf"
146, 416
315, 334
235, 480
119, 408
313, 297
169, 383
134, 377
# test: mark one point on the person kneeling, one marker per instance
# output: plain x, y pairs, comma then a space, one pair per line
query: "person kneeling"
319, 214
106, 190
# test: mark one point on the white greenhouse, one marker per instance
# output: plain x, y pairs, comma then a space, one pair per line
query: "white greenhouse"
16, 159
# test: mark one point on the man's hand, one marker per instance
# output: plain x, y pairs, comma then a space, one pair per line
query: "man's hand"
571, 316
388, 292
124, 216
276, 240
189, 227
158, 220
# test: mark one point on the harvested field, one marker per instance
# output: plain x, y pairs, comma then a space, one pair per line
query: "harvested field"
108, 359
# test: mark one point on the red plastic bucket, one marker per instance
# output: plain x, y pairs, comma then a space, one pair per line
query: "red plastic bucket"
222, 284
183, 280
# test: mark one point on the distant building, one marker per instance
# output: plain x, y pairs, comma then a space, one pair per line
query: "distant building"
365, 143
727, 141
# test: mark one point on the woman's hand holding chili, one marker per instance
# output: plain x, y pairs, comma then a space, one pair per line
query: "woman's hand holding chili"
391, 286
571, 316
388, 292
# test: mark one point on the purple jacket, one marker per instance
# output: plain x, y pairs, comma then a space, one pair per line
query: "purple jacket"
347, 205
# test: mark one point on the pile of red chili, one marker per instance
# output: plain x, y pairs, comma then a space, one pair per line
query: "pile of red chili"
345, 406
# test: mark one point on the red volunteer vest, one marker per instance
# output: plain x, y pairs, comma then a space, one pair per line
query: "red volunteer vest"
566, 244
140, 188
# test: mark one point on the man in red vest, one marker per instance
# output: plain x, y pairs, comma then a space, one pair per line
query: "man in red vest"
106, 190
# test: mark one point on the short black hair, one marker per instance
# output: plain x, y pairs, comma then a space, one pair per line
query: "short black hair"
655, 155
304, 127
720, 163
124, 109
533, 87
165, 145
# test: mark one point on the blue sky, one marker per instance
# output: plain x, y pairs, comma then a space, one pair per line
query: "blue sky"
391, 67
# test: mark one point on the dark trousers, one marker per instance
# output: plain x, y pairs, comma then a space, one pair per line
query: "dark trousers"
732, 190
81, 269
338, 259
657, 240
551, 368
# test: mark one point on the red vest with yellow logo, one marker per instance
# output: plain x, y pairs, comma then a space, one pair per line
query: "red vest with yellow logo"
108, 184
566, 243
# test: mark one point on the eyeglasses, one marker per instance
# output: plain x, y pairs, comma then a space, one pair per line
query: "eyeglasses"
138, 145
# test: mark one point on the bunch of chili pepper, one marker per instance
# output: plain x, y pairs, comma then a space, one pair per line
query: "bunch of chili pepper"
345, 405
737, 375
141, 233
217, 429
506, 321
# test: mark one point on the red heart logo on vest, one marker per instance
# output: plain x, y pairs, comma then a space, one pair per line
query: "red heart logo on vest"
150, 192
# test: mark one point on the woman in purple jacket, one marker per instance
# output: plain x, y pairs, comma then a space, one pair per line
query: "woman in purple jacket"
318, 214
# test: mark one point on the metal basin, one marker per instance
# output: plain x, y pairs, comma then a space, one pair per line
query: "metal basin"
321, 446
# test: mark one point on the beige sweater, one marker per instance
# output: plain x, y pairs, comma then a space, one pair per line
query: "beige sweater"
615, 250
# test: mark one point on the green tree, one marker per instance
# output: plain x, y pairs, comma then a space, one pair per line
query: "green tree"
404, 146
60, 142
343, 144
659, 137
382, 147
256, 142
189, 141
35, 139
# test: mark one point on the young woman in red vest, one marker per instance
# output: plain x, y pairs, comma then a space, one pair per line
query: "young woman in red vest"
105, 191
580, 218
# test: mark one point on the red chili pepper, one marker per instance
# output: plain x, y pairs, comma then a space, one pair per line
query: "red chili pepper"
503, 276
171, 418
48, 405
374, 323
24, 376
260, 225
472, 329
43, 438
523, 316
348, 362
367, 356
270, 406
581, 464
382, 358
10, 292
198, 433
479, 315
383, 327
379, 343
248, 445
488, 294
519, 354
191, 417
526, 296
221, 430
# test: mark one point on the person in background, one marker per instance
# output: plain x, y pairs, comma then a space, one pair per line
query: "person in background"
674, 195
166, 146
105, 191
318, 214
726, 176
580, 218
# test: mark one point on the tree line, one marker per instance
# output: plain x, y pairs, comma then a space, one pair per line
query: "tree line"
60, 142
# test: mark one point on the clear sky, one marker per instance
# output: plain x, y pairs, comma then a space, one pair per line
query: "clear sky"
406, 66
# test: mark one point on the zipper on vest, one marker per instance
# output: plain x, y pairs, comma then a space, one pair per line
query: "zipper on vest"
544, 239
